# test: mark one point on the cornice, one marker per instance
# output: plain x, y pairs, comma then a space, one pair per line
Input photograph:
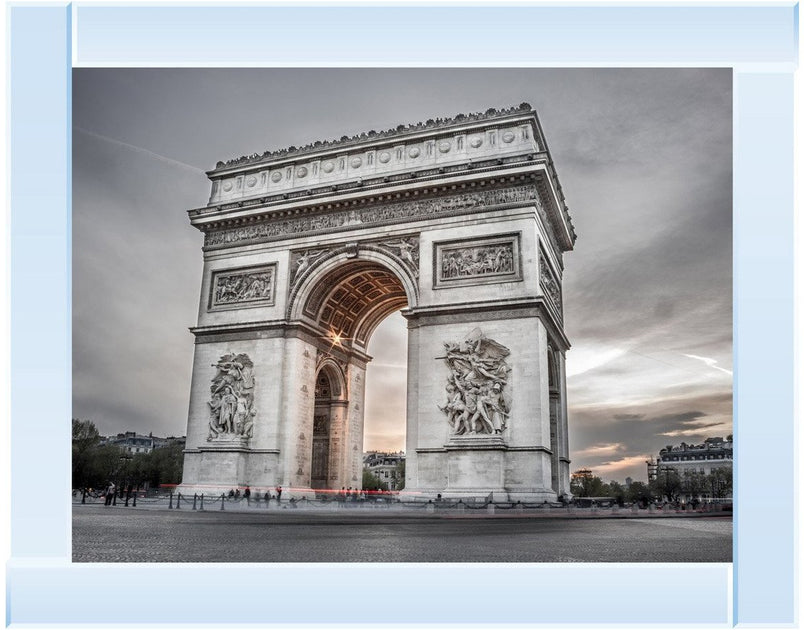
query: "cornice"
400, 131
354, 209
328, 191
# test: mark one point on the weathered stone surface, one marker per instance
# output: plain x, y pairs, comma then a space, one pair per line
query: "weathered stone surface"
463, 226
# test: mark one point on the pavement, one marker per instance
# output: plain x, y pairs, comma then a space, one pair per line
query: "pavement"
152, 533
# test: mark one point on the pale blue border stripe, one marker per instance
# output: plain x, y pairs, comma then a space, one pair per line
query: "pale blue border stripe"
763, 359
40, 287
39, 79
438, 594
427, 35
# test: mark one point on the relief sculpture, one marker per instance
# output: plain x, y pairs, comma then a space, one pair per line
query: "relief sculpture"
232, 404
478, 398
243, 286
478, 261
407, 250
385, 212
549, 284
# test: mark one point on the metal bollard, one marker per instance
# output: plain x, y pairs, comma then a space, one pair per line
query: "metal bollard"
127, 497
223, 498
178, 501
135, 499
202, 502
170, 505
84, 495
114, 499
195, 498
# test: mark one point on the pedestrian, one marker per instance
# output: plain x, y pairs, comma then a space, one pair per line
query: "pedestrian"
231, 493
110, 490
278, 494
267, 498
237, 494
247, 494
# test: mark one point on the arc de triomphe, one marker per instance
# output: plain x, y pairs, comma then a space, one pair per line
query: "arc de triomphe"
461, 224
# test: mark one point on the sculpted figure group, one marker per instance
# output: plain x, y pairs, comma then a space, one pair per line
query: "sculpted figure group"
243, 287
477, 400
231, 406
477, 261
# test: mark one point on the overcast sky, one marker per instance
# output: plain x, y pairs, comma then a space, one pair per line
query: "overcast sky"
644, 157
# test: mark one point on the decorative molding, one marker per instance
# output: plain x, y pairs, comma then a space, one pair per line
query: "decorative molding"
377, 213
242, 287
477, 261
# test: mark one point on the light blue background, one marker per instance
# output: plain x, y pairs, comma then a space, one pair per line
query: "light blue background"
759, 41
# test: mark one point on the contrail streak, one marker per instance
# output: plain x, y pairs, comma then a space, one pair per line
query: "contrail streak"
139, 150
710, 362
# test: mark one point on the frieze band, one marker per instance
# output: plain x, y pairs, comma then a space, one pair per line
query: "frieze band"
386, 212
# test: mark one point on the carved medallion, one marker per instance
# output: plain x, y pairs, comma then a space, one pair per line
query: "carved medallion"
478, 398
247, 286
414, 152
301, 172
508, 137
328, 167
356, 162
276, 176
231, 405
385, 157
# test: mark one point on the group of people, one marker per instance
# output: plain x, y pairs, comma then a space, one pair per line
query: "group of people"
234, 494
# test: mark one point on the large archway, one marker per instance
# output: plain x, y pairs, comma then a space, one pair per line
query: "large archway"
344, 298
461, 225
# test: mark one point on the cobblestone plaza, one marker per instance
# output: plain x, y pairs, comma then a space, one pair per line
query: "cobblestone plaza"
119, 534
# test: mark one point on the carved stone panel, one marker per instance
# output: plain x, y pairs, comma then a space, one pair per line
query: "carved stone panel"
549, 284
478, 396
243, 287
231, 406
477, 261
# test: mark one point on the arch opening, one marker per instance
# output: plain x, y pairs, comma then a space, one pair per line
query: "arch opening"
347, 303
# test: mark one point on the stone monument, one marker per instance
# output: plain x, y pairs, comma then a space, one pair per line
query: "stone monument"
461, 224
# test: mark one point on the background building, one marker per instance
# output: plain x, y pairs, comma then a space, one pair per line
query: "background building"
133, 443
385, 467
714, 453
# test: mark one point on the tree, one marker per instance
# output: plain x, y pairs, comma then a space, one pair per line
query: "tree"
639, 492
719, 482
615, 490
588, 486
400, 474
693, 483
85, 439
371, 482
667, 484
